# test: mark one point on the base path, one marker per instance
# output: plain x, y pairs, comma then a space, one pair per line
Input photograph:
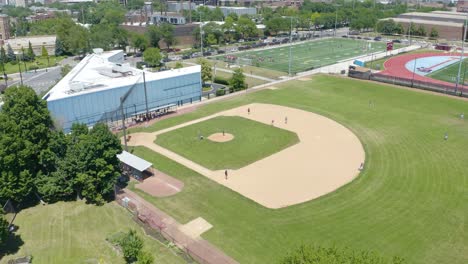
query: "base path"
327, 157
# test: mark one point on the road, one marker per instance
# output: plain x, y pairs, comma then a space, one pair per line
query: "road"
40, 80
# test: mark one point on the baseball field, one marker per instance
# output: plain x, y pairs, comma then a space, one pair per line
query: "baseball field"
408, 201
307, 55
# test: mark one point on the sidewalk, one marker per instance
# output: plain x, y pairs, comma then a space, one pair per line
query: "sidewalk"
199, 249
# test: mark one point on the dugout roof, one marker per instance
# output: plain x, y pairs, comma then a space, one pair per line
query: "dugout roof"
134, 161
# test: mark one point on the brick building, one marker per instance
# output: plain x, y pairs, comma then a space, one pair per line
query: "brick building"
4, 27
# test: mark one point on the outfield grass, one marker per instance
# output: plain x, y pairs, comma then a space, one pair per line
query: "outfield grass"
75, 232
252, 141
450, 73
307, 55
409, 201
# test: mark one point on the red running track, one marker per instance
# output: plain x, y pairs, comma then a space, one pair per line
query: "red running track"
396, 67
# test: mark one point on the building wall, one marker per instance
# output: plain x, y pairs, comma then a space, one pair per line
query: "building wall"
4, 27
445, 32
175, 20
462, 6
104, 105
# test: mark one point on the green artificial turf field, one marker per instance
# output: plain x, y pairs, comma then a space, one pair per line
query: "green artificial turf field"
76, 232
252, 141
409, 201
450, 73
307, 55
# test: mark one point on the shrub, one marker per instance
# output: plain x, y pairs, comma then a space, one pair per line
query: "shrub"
220, 80
220, 92
33, 67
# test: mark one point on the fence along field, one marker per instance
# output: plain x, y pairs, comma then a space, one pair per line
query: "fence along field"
306, 55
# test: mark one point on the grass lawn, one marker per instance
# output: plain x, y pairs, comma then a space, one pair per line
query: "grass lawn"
251, 82
252, 141
450, 73
40, 62
409, 201
75, 232
307, 55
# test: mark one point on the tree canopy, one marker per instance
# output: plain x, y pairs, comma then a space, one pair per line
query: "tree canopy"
25, 129
152, 56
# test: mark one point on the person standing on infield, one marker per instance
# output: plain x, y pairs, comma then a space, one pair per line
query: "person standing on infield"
225, 174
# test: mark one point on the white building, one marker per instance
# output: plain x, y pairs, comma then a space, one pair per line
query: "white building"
92, 91
236, 10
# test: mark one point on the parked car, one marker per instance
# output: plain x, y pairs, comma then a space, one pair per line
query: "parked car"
396, 41
344, 36
379, 38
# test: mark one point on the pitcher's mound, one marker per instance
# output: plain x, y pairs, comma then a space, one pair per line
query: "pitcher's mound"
218, 137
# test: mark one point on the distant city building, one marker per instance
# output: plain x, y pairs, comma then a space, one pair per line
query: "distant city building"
449, 25
172, 18
236, 10
21, 3
36, 42
462, 6
175, 6
91, 92
4, 27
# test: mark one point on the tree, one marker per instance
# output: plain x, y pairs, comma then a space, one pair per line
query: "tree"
92, 162
216, 15
434, 33
246, 27
10, 53
178, 65
25, 125
31, 55
154, 36
44, 53
3, 57
139, 41
152, 56
324, 255
145, 257
421, 31
167, 34
4, 230
228, 27
59, 51
237, 81
65, 69
131, 245
277, 24
206, 71
211, 40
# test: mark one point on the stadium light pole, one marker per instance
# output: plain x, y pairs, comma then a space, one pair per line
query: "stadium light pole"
290, 49
201, 35
461, 57
123, 122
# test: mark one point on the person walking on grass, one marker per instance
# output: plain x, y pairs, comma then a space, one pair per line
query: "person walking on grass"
446, 136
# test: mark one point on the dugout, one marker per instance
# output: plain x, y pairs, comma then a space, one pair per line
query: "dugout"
359, 72
134, 166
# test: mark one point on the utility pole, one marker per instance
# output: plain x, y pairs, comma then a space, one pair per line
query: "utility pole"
123, 123
336, 19
146, 96
461, 56
290, 49
201, 36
